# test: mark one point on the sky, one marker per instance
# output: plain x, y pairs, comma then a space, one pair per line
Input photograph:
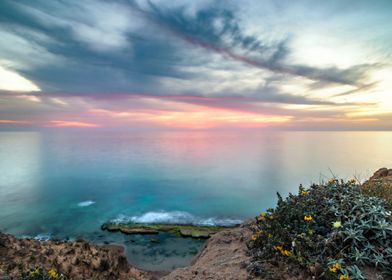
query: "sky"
157, 64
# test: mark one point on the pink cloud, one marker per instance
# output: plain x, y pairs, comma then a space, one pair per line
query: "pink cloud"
13, 122
72, 124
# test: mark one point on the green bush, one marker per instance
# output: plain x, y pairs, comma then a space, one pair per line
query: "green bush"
332, 230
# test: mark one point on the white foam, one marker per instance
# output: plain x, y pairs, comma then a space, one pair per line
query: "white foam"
174, 217
42, 237
86, 203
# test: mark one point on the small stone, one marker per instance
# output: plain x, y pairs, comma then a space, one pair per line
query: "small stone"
104, 265
85, 246
75, 261
123, 263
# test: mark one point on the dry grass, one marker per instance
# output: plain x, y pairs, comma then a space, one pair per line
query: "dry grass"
379, 185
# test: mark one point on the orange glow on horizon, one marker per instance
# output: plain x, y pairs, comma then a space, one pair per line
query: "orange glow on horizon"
13, 122
196, 118
72, 124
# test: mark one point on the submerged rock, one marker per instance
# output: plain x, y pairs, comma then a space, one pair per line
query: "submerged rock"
138, 231
193, 231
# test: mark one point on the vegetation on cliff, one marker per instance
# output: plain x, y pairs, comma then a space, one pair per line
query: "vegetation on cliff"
332, 230
39, 273
32, 260
379, 185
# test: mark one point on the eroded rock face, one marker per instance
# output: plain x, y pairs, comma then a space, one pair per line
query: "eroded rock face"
224, 257
76, 259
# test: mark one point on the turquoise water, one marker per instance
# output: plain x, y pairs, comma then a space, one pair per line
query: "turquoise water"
66, 184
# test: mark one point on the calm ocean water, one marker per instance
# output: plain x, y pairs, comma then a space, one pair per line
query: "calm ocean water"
66, 184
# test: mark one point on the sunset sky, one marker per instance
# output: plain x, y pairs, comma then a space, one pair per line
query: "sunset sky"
196, 64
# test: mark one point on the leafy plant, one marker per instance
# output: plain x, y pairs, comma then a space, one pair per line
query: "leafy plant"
38, 273
331, 229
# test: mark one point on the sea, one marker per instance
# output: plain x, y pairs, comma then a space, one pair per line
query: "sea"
64, 184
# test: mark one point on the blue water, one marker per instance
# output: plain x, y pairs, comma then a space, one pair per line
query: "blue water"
65, 184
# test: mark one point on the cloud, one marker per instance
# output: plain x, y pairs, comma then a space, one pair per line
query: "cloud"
12, 81
105, 47
64, 123
228, 39
24, 53
105, 28
178, 56
13, 122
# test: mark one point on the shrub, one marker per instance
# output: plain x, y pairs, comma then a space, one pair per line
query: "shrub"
331, 230
39, 273
378, 189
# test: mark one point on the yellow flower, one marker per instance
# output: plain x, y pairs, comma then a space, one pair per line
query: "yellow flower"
304, 193
271, 217
308, 218
261, 217
34, 272
335, 267
337, 224
344, 277
282, 251
333, 181
254, 237
53, 273
278, 248
269, 235
286, 253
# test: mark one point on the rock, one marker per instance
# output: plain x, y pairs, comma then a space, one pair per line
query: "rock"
104, 265
185, 232
379, 185
222, 258
70, 251
87, 262
85, 246
75, 260
123, 263
48, 252
138, 231
382, 172
95, 264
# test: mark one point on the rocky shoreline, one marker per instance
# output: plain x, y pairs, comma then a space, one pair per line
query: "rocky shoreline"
225, 255
75, 259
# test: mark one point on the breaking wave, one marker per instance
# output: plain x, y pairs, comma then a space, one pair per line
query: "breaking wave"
86, 203
174, 217
40, 237
43, 237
